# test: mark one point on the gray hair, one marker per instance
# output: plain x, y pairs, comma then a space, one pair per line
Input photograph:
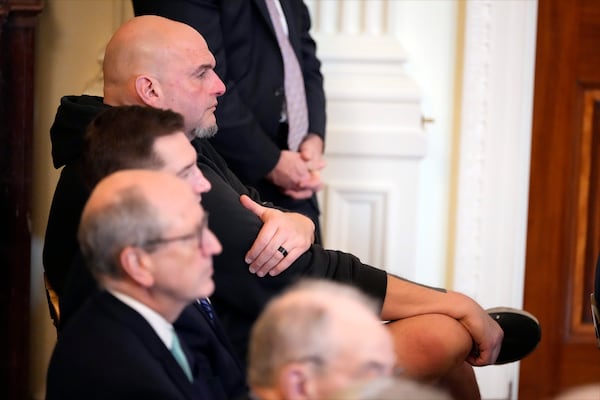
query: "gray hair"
127, 220
289, 331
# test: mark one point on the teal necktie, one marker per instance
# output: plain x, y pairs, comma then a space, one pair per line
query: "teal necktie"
180, 357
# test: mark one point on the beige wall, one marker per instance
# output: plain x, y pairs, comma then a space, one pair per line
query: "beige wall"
70, 38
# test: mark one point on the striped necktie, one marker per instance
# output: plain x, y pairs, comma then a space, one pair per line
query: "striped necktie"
295, 96
180, 357
208, 309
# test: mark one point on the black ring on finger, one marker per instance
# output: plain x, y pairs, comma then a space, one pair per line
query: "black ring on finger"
282, 251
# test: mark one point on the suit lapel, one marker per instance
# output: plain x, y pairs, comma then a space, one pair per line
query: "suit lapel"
146, 334
262, 7
217, 328
192, 320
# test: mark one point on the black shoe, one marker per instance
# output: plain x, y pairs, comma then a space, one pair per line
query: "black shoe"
522, 333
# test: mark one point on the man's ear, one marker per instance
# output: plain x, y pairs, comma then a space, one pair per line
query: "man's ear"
296, 382
149, 90
137, 265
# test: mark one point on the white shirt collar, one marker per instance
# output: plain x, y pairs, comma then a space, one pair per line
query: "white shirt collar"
161, 326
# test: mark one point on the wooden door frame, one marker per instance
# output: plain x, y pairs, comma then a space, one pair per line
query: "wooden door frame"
559, 249
18, 19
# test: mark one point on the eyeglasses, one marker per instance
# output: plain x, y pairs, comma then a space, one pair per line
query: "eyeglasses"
198, 235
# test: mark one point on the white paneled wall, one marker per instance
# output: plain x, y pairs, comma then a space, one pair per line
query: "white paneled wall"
493, 173
375, 139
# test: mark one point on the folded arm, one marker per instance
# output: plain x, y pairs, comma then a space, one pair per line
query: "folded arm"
407, 299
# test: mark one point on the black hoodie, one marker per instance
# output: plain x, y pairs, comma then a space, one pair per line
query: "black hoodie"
67, 132
239, 295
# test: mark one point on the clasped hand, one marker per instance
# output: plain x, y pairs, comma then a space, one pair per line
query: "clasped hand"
297, 173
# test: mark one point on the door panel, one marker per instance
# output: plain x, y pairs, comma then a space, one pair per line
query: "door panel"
563, 238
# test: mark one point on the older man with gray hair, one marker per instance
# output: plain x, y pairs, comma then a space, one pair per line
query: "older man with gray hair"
316, 338
146, 240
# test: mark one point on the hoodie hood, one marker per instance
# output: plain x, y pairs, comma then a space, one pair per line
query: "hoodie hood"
68, 130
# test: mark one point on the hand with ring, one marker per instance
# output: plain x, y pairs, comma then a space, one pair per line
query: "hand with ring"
283, 237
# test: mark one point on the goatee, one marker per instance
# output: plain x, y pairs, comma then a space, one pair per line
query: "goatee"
205, 133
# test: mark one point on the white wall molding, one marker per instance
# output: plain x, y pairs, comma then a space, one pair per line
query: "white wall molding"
375, 139
474, 128
358, 210
380, 142
493, 176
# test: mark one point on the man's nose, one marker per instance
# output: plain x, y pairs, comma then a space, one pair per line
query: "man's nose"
203, 184
219, 85
212, 246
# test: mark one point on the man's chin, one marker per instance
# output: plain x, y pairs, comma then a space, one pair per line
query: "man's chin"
205, 133
208, 289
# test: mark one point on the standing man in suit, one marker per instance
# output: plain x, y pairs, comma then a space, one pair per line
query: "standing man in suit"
274, 99
147, 242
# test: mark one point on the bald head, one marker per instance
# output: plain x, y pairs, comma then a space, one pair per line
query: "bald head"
141, 47
161, 63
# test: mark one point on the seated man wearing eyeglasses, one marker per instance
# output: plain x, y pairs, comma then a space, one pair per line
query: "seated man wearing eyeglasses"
145, 239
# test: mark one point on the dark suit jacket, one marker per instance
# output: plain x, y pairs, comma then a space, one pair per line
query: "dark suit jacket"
208, 343
109, 351
242, 38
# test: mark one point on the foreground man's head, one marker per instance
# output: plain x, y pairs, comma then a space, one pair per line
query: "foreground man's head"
316, 338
